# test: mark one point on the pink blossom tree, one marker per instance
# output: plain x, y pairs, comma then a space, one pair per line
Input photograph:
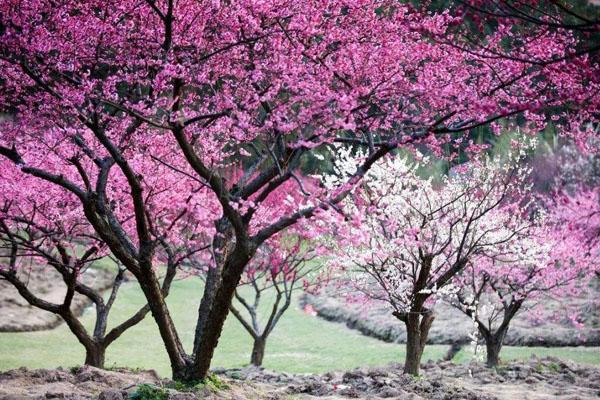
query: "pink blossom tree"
283, 264
410, 237
576, 218
116, 102
38, 232
495, 287
555, 258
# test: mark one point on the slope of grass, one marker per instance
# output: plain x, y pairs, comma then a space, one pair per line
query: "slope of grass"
300, 343
583, 355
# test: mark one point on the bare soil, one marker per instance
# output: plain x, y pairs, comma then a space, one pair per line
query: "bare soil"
535, 379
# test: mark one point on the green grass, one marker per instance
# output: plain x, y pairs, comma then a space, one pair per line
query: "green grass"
300, 343
583, 355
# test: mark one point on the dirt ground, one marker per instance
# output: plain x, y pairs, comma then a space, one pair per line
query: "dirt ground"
16, 315
535, 379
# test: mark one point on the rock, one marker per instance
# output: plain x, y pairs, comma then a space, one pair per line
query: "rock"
48, 375
531, 380
333, 377
234, 374
313, 388
219, 370
350, 392
111, 394
439, 381
352, 375
184, 396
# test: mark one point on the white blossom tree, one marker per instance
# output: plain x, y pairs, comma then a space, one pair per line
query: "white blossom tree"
408, 237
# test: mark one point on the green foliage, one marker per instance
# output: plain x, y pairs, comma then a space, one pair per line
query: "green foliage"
212, 383
181, 386
554, 367
74, 369
235, 375
149, 392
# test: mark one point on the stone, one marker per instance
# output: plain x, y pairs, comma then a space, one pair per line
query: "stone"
391, 392
110, 394
181, 396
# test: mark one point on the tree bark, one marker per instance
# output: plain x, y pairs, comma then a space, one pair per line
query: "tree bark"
417, 329
418, 320
95, 355
211, 332
454, 349
166, 327
493, 344
495, 340
493, 348
413, 348
258, 351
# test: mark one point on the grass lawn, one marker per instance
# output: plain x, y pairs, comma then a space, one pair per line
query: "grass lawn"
583, 355
300, 343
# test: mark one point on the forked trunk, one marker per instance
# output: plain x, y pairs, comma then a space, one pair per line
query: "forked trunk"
495, 340
417, 329
418, 320
493, 345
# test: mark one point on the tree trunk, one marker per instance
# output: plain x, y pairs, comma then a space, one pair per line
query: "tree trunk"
95, 355
258, 351
493, 345
211, 285
495, 340
417, 329
211, 331
493, 348
454, 349
160, 313
414, 351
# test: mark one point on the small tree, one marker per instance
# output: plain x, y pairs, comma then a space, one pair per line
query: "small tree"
548, 261
283, 266
409, 237
23, 242
52, 234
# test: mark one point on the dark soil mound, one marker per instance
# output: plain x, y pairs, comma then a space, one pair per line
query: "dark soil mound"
535, 379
